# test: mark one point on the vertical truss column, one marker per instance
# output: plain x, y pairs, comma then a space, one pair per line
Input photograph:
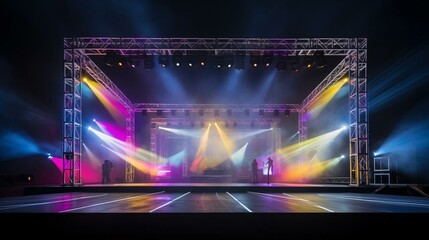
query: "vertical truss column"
153, 146
277, 146
358, 134
72, 116
130, 139
302, 129
185, 159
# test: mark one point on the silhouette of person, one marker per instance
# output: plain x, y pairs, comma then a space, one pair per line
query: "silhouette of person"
270, 169
106, 170
255, 171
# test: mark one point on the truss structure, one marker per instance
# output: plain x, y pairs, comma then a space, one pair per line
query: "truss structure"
77, 52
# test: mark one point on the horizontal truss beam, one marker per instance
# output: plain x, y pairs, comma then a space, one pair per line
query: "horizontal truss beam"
154, 107
159, 46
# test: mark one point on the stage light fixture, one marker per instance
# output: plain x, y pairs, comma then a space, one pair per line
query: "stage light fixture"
218, 61
320, 60
255, 60
110, 58
148, 62
201, 112
229, 112
187, 113
164, 60
190, 59
229, 61
239, 59
261, 112
133, 61
202, 58
276, 113
293, 63
158, 112
287, 112
308, 61
216, 113
281, 63
268, 59
173, 112
177, 58
121, 60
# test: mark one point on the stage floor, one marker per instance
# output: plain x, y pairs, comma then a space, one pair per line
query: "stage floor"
294, 210
213, 202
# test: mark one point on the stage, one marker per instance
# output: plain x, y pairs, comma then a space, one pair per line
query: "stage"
215, 209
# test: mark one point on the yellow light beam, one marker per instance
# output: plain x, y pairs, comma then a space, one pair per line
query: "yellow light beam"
200, 163
315, 109
229, 145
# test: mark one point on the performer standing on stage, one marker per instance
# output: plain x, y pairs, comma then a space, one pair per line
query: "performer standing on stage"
270, 169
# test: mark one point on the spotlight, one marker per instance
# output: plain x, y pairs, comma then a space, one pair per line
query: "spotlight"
218, 61
177, 58
268, 60
190, 59
229, 112
343, 127
287, 112
202, 58
229, 61
255, 60
342, 156
246, 112
308, 61
158, 112
216, 113
93, 119
153, 125
261, 112
201, 112
110, 58
133, 61
173, 112
163, 60
187, 112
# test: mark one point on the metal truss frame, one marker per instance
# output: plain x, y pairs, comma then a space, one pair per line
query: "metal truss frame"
78, 50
